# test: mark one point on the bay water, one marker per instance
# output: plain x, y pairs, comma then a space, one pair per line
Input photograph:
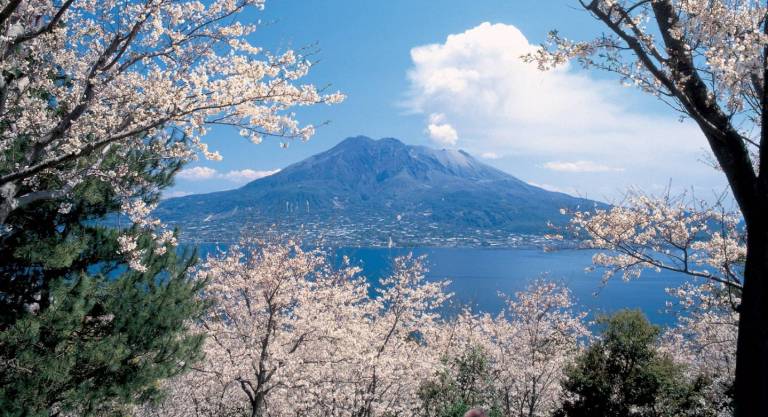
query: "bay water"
478, 275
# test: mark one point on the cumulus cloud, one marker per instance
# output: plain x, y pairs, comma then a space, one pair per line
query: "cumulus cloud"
197, 174
579, 166
477, 81
237, 176
441, 132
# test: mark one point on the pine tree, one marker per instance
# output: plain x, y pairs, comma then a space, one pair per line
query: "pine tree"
79, 330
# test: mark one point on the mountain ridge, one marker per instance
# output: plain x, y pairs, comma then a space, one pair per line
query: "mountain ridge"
362, 182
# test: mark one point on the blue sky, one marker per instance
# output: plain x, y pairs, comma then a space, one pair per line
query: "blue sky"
446, 73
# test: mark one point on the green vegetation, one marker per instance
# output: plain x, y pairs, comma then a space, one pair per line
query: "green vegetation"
466, 383
623, 374
101, 315
79, 330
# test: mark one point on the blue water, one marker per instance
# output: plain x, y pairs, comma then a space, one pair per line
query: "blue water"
477, 276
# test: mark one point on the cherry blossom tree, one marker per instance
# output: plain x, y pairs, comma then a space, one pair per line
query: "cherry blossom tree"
703, 242
396, 357
528, 346
708, 60
290, 335
81, 79
676, 234
464, 378
548, 335
274, 328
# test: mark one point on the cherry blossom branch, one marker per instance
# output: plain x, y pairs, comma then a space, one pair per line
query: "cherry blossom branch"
43, 30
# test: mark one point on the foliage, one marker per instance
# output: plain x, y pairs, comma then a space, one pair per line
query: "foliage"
289, 334
80, 331
466, 381
81, 78
708, 60
704, 340
526, 348
100, 104
623, 374
102, 343
704, 243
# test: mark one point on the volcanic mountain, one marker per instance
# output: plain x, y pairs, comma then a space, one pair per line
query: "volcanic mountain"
383, 187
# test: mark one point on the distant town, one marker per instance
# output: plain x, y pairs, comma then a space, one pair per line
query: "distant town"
343, 231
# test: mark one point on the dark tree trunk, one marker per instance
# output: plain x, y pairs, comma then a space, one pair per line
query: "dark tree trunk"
752, 349
257, 405
750, 188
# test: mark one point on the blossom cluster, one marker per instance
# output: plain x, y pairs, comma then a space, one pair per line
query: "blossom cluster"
288, 334
707, 246
666, 233
528, 346
85, 79
704, 338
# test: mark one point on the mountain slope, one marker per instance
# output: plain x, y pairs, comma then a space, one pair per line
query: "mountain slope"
383, 187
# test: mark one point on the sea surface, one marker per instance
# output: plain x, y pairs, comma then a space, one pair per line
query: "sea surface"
477, 276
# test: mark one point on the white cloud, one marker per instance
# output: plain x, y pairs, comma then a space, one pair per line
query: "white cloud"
579, 166
503, 106
197, 174
237, 176
441, 132
245, 175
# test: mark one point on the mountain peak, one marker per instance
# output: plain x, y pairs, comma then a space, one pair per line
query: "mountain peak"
362, 160
361, 141
368, 140
354, 140
368, 183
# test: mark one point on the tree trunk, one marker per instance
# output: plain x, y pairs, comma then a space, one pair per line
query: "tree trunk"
257, 404
7, 201
752, 357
